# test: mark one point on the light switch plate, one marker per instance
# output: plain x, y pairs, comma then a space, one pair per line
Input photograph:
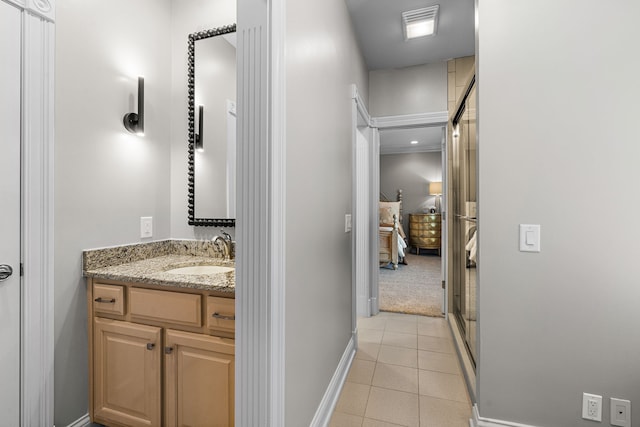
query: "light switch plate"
529, 237
146, 226
347, 223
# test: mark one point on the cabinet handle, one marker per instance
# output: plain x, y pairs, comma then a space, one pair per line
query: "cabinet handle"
223, 317
150, 346
168, 350
110, 301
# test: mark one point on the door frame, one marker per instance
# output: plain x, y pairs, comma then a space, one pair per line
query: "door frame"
359, 115
435, 119
37, 189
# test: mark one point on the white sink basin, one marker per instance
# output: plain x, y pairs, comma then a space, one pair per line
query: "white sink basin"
201, 269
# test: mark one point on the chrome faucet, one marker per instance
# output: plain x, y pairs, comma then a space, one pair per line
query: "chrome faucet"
224, 243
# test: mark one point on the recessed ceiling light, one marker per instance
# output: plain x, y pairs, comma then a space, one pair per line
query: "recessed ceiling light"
420, 22
414, 142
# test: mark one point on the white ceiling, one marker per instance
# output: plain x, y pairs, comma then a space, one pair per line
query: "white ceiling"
378, 27
394, 141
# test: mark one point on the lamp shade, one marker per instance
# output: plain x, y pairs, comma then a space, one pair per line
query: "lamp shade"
435, 188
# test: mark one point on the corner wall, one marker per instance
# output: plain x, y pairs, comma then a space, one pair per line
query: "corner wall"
105, 177
322, 60
557, 104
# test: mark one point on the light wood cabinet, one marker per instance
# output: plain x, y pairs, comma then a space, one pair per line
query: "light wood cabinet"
199, 376
127, 373
155, 361
424, 231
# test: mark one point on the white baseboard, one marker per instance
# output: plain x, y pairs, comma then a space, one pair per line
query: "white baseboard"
83, 421
330, 398
478, 421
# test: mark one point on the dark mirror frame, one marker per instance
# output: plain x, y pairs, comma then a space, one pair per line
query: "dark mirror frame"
224, 222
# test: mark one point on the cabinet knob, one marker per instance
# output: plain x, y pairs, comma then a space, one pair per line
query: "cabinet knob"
150, 346
168, 350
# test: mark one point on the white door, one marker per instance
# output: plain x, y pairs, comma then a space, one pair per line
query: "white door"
10, 19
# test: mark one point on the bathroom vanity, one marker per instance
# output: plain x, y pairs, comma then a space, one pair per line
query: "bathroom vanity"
161, 335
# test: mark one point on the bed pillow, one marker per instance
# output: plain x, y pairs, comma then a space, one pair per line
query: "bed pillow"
387, 211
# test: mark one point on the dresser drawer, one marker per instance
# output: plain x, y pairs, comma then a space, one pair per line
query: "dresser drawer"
108, 298
425, 225
166, 306
426, 233
426, 242
221, 314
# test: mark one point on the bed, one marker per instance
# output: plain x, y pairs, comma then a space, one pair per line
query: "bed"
391, 235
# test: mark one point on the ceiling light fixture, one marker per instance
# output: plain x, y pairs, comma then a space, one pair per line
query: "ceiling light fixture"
420, 22
414, 142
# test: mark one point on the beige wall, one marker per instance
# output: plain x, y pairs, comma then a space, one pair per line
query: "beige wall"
105, 177
322, 61
409, 90
188, 17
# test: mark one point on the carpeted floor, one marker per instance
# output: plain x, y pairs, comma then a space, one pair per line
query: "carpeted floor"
415, 288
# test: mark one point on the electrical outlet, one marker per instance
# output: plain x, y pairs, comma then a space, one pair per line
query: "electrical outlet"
620, 412
146, 226
591, 407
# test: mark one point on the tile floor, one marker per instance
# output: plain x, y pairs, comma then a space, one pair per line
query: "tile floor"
405, 373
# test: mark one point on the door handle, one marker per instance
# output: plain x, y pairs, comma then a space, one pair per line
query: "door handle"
5, 272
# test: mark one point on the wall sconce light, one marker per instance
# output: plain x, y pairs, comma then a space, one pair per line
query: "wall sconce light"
435, 188
133, 122
199, 136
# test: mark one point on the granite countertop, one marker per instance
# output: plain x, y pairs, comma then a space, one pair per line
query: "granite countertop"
148, 263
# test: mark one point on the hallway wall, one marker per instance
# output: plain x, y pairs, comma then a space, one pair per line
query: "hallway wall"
557, 115
322, 61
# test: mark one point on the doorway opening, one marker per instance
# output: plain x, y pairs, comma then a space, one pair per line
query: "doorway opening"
411, 170
392, 230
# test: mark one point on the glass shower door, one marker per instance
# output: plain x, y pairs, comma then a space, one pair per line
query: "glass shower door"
464, 197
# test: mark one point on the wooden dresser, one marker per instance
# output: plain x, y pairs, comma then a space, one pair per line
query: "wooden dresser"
424, 231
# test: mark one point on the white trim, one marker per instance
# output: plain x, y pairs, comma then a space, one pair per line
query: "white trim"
478, 421
331, 395
45, 9
83, 421
278, 222
407, 150
362, 108
439, 118
37, 346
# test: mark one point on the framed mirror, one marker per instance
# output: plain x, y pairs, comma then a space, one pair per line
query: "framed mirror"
212, 127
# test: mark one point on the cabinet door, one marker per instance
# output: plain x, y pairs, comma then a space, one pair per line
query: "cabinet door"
127, 388
199, 380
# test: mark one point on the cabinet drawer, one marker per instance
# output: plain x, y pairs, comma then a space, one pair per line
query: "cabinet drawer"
166, 306
221, 314
108, 298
